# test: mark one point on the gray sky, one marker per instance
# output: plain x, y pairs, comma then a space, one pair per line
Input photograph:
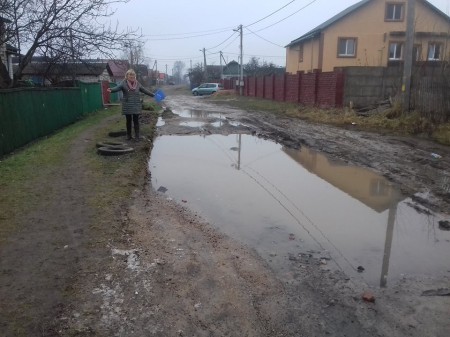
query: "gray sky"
176, 30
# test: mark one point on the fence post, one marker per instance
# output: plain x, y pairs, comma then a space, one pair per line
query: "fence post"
264, 87
316, 86
273, 87
299, 83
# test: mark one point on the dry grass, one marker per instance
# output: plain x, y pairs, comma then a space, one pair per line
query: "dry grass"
388, 121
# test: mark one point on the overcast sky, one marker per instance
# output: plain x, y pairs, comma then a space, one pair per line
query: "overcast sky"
177, 30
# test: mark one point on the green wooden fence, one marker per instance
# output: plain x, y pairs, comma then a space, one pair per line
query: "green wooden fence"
29, 113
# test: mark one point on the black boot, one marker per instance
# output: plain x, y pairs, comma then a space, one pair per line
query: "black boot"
136, 133
128, 127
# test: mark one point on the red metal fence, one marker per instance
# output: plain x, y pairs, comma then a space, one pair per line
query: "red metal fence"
324, 90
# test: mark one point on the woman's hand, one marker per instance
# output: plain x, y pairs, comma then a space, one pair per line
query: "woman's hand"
108, 90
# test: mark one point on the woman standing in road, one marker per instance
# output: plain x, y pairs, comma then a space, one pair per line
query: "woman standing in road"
131, 102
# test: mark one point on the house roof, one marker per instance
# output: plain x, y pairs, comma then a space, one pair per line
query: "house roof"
118, 67
89, 69
318, 30
232, 68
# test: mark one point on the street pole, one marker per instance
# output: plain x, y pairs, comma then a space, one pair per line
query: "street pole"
409, 47
221, 67
205, 72
241, 77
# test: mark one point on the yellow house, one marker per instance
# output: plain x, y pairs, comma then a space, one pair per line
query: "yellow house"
371, 33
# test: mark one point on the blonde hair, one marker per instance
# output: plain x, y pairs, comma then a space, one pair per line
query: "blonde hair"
130, 72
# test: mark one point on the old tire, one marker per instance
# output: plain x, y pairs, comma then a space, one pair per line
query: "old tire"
110, 143
114, 150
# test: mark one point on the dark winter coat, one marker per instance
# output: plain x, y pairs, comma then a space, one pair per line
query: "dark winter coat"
131, 102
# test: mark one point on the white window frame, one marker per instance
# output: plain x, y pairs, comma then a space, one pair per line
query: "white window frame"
396, 46
431, 56
398, 11
346, 41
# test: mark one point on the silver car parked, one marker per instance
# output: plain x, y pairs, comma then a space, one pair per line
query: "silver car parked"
206, 89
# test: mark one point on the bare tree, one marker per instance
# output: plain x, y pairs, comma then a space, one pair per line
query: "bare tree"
70, 29
254, 68
178, 68
196, 75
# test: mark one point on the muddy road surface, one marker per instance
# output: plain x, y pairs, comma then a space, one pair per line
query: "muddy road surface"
326, 300
161, 269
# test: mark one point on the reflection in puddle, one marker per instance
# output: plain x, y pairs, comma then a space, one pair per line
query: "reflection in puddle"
200, 114
286, 202
193, 124
160, 122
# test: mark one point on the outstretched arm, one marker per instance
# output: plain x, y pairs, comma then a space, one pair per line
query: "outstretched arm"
145, 91
115, 89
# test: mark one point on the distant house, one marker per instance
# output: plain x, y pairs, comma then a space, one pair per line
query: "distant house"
371, 33
232, 69
118, 68
45, 73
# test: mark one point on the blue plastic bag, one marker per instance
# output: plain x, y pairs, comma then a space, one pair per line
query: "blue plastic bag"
159, 95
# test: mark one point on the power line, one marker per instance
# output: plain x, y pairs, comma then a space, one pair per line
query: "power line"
279, 9
180, 36
234, 33
221, 30
275, 44
237, 36
187, 37
287, 17
189, 33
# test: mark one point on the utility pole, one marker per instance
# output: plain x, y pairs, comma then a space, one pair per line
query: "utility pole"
241, 76
205, 72
221, 67
409, 47
166, 74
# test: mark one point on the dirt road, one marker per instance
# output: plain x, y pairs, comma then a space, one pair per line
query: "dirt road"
164, 271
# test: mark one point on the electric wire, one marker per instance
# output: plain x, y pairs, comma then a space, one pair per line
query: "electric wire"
287, 17
222, 42
307, 218
221, 30
188, 37
217, 30
271, 14
287, 209
275, 44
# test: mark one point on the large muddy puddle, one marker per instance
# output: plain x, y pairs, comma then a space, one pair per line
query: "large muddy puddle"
285, 202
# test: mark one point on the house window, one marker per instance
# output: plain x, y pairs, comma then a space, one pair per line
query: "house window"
394, 11
434, 52
347, 47
395, 51
417, 52
300, 53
